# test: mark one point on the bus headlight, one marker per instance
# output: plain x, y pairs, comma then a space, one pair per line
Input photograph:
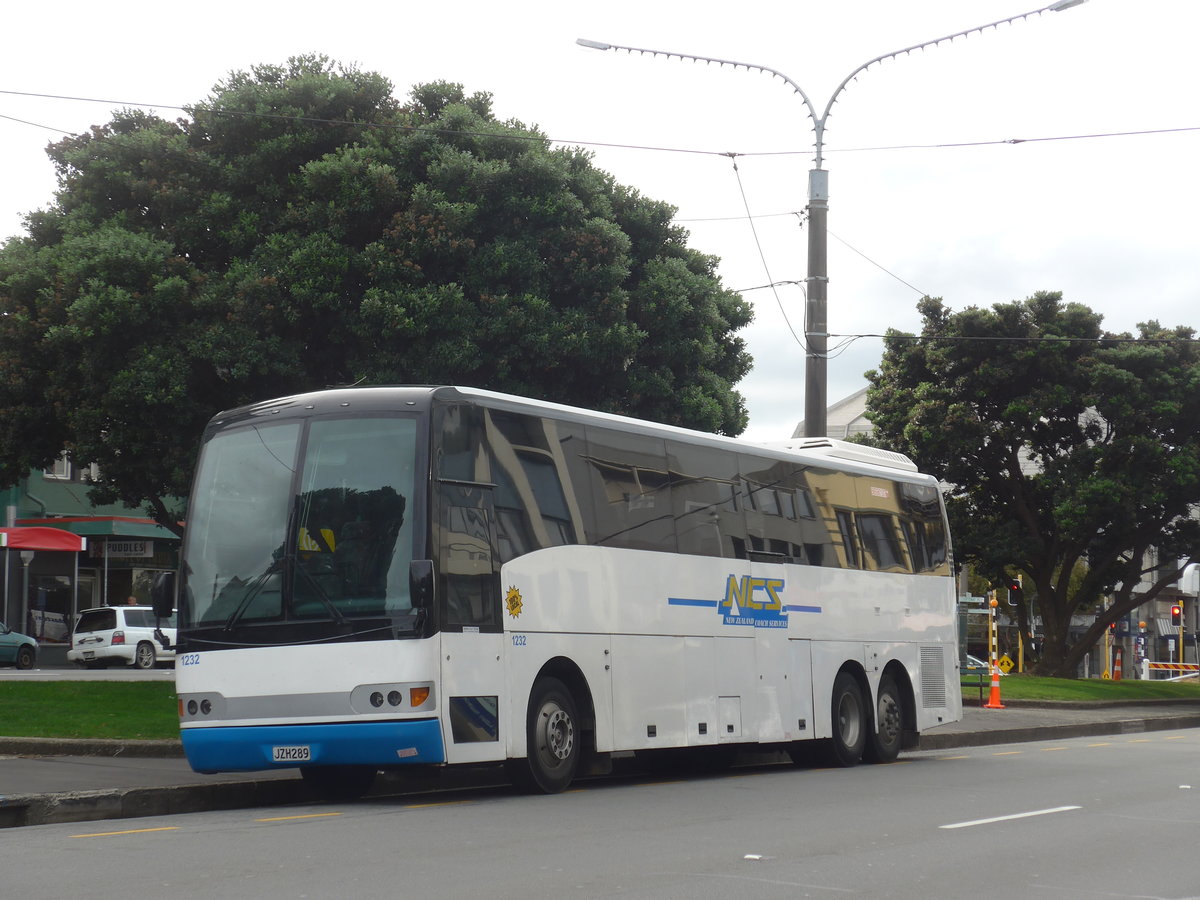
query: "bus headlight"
201, 706
401, 698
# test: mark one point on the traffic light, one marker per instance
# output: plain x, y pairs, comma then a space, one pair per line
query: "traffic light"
1176, 616
1015, 593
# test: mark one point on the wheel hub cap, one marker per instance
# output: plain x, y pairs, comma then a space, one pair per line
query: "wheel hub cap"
560, 734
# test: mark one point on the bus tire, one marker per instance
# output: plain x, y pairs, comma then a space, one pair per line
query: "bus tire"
888, 735
338, 783
554, 740
850, 721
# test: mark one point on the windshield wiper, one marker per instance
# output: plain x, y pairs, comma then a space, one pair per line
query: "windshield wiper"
252, 590
322, 595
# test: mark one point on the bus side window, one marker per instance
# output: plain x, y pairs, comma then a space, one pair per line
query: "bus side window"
772, 520
880, 542
536, 506
631, 490
459, 431
704, 485
467, 566
845, 521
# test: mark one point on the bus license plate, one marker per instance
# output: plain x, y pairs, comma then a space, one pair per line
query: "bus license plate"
291, 754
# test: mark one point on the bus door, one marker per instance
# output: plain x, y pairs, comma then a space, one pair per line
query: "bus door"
784, 702
472, 674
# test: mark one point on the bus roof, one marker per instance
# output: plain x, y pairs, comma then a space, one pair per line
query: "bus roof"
814, 451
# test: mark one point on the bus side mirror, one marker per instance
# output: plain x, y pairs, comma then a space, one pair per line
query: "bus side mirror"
420, 583
162, 594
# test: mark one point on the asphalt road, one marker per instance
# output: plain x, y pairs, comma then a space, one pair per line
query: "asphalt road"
51, 781
1077, 818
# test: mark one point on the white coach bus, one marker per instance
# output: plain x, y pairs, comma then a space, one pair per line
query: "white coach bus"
395, 576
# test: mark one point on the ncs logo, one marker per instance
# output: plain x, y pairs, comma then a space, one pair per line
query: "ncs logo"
754, 601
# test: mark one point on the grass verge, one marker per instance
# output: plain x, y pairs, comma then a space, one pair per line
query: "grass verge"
146, 710
1031, 687
124, 710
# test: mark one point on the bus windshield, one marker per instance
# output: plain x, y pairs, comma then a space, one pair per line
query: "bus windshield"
300, 531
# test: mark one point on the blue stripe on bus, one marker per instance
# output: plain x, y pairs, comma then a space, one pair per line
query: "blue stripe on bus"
812, 609
685, 601
247, 748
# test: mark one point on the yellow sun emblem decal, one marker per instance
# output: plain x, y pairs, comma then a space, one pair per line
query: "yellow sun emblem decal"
512, 600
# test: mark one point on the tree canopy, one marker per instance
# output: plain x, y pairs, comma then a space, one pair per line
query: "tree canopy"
1068, 451
299, 229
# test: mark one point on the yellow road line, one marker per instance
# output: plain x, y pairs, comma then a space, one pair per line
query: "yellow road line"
428, 805
131, 831
306, 816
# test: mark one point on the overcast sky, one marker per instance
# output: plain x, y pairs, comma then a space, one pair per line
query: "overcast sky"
1111, 221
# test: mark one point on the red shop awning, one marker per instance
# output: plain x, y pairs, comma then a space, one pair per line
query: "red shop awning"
41, 539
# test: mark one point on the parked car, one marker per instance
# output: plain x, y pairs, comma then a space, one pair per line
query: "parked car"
122, 634
973, 665
16, 649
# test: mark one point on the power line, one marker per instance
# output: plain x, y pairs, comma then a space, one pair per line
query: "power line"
192, 110
842, 240
36, 124
877, 265
763, 256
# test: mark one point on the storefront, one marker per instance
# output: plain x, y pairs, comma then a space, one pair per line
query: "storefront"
56, 567
43, 604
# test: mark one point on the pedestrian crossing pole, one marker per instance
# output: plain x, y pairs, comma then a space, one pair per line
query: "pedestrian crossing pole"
1107, 656
1181, 619
993, 641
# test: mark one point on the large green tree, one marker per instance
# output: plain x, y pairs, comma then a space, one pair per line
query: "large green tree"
300, 228
1072, 455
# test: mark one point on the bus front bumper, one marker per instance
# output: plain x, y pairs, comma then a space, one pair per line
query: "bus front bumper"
249, 748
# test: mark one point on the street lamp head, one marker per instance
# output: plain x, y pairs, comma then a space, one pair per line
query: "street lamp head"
596, 45
1065, 4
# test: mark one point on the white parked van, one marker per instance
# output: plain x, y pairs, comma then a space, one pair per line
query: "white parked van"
123, 634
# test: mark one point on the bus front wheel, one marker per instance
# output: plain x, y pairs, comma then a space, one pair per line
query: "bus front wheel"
850, 721
553, 738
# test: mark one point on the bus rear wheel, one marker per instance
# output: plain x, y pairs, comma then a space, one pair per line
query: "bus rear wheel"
553, 740
884, 745
850, 722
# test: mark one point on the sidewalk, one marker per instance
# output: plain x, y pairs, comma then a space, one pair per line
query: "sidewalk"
55, 781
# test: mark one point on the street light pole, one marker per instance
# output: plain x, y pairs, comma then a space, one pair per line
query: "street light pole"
816, 330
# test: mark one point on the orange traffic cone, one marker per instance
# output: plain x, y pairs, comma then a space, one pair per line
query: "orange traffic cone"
994, 697
1117, 666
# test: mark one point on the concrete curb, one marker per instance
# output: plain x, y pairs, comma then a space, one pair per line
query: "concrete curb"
126, 803
20, 746
936, 741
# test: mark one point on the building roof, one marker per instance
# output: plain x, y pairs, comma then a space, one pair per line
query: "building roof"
104, 526
844, 418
